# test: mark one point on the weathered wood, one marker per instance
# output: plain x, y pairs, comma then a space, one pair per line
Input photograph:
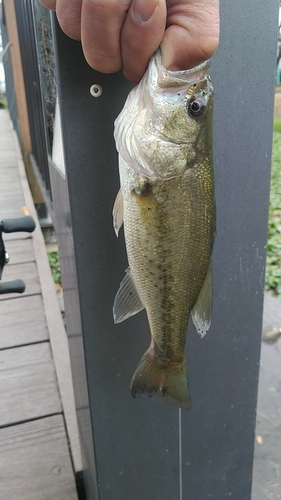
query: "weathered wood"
20, 251
28, 273
6, 213
10, 191
34, 459
8, 177
10, 202
22, 321
58, 336
6, 146
8, 164
11, 194
16, 236
35, 462
8, 173
8, 160
28, 385
8, 157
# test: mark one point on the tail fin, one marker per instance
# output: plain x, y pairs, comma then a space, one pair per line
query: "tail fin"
150, 379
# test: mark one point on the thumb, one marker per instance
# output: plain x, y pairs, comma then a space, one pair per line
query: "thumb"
192, 33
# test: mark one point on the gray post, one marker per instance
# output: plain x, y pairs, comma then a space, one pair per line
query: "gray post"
141, 450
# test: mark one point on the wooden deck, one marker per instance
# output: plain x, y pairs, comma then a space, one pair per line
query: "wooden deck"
36, 461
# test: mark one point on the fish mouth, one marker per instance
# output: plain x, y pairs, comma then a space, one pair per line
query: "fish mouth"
169, 78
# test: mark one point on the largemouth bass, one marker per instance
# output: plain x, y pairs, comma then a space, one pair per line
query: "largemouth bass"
166, 200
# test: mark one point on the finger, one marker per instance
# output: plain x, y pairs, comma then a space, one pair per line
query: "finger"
192, 33
102, 22
49, 4
142, 33
69, 17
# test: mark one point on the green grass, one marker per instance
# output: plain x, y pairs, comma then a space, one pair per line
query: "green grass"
55, 266
273, 257
277, 125
3, 101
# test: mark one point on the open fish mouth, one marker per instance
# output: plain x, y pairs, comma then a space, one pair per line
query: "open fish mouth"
169, 78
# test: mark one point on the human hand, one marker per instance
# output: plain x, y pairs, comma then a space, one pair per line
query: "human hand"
123, 34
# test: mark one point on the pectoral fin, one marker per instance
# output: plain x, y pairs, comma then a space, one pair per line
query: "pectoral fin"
201, 312
118, 212
127, 301
151, 212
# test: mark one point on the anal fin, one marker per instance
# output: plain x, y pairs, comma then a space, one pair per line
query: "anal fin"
127, 301
202, 311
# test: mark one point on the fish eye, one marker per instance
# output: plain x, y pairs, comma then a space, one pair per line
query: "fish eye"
196, 107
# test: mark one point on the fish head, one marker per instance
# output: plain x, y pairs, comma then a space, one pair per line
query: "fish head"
181, 104
166, 121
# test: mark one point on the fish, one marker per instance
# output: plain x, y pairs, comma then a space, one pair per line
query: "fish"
167, 204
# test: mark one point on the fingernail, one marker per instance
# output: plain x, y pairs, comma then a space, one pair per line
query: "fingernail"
143, 10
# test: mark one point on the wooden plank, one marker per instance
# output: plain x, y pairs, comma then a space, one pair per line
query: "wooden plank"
10, 191
28, 273
11, 202
7, 148
35, 462
28, 385
8, 177
6, 144
8, 167
8, 158
20, 251
8, 172
22, 321
6, 213
17, 236
11, 199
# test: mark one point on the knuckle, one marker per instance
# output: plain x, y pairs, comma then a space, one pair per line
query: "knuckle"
102, 62
49, 4
69, 17
71, 29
